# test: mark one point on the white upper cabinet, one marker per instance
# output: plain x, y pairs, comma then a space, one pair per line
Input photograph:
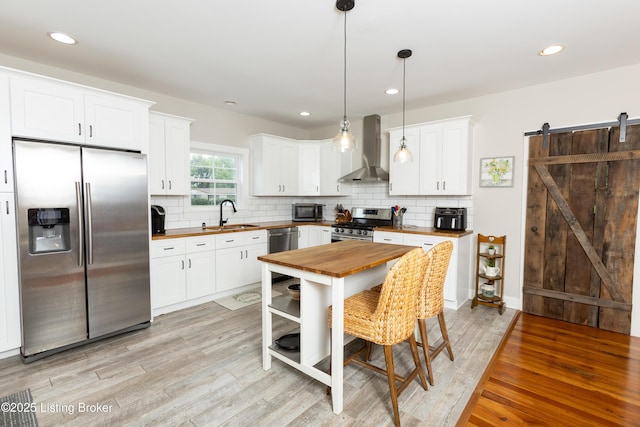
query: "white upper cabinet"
275, 165
403, 176
334, 165
169, 138
441, 158
283, 167
6, 157
309, 169
58, 111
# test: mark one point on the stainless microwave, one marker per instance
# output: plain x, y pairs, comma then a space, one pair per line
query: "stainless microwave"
310, 212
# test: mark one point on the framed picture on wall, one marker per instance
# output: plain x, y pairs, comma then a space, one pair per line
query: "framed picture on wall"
496, 172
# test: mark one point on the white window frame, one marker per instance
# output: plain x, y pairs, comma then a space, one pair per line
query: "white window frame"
242, 171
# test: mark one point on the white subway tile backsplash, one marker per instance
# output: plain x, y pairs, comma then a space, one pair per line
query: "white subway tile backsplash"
420, 209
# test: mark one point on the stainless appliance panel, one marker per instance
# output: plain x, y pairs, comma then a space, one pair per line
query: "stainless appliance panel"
280, 240
117, 249
52, 284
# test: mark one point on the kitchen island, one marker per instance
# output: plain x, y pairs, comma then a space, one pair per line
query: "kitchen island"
328, 274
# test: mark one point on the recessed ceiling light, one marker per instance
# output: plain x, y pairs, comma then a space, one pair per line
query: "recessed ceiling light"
392, 91
62, 38
305, 113
229, 102
551, 50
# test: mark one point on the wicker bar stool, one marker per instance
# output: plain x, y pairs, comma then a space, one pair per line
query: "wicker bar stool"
431, 302
387, 318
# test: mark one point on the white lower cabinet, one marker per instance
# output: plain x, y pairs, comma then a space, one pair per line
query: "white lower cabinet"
237, 255
319, 235
9, 293
458, 283
313, 235
182, 269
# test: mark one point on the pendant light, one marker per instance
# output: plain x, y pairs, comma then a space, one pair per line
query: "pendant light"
345, 141
403, 154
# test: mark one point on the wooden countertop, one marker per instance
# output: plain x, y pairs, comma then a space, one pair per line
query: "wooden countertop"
198, 231
430, 231
338, 259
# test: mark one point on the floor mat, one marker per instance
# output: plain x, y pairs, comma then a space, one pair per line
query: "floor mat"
243, 299
18, 409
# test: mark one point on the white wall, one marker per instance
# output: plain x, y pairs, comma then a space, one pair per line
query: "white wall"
502, 120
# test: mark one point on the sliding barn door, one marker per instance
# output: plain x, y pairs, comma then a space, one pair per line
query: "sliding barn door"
582, 206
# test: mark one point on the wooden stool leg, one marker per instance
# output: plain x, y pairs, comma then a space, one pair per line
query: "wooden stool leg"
425, 348
416, 359
388, 357
445, 335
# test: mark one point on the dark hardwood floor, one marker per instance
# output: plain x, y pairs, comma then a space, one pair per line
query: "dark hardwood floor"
551, 373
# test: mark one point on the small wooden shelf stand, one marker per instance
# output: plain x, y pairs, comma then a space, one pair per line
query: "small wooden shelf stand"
484, 256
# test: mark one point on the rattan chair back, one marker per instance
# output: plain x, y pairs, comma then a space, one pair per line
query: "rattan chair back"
431, 294
394, 318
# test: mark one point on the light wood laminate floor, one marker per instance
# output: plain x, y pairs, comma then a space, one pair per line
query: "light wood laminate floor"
202, 366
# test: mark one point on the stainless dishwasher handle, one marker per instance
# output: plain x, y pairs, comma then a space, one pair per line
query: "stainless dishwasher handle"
80, 228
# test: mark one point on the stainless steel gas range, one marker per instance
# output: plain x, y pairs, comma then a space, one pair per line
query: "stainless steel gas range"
363, 221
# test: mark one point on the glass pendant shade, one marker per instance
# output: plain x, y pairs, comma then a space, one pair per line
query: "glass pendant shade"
403, 154
344, 140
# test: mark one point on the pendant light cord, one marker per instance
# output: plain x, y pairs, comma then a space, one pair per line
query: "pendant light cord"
404, 90
345, 68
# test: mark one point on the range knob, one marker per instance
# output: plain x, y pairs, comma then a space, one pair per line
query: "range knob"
365, 232
336, 230
342, 230
350, 231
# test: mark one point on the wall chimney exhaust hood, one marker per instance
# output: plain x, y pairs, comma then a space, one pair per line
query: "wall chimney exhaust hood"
371, 150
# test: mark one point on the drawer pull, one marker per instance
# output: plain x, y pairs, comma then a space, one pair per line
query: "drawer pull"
201, 244
168, 249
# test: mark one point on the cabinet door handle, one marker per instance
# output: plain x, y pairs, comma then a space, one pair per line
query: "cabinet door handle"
391, 186
183, 264
444, 185
189, 262
6, 178
162, 182
90, 131
246, 253
169, 184
79, 128
241, 255
438, 185
7, 202
338, 188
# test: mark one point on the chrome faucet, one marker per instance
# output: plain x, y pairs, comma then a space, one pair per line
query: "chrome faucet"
223, 222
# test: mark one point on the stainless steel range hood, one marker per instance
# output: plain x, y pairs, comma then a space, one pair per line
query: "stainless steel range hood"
371, 150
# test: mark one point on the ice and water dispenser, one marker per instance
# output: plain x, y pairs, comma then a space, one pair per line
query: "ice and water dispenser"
48, 230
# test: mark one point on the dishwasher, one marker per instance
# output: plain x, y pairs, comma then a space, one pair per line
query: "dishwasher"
280, 240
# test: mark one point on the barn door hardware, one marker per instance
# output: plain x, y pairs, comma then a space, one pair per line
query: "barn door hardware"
622, 119
622, 122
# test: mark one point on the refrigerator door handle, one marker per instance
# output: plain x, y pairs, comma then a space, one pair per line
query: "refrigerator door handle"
80, 227
89, 224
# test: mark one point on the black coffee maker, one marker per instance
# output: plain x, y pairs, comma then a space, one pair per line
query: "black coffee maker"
157, 219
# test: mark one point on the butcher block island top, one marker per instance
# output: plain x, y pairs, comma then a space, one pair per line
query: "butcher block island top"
338, 259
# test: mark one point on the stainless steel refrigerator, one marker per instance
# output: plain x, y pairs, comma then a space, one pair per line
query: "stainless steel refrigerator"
83, 244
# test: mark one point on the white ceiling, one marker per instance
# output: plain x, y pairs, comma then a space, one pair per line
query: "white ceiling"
276, 58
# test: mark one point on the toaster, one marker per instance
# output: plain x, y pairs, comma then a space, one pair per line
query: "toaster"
450, 219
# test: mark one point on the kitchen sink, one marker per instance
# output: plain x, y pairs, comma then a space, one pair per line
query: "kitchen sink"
231, 227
